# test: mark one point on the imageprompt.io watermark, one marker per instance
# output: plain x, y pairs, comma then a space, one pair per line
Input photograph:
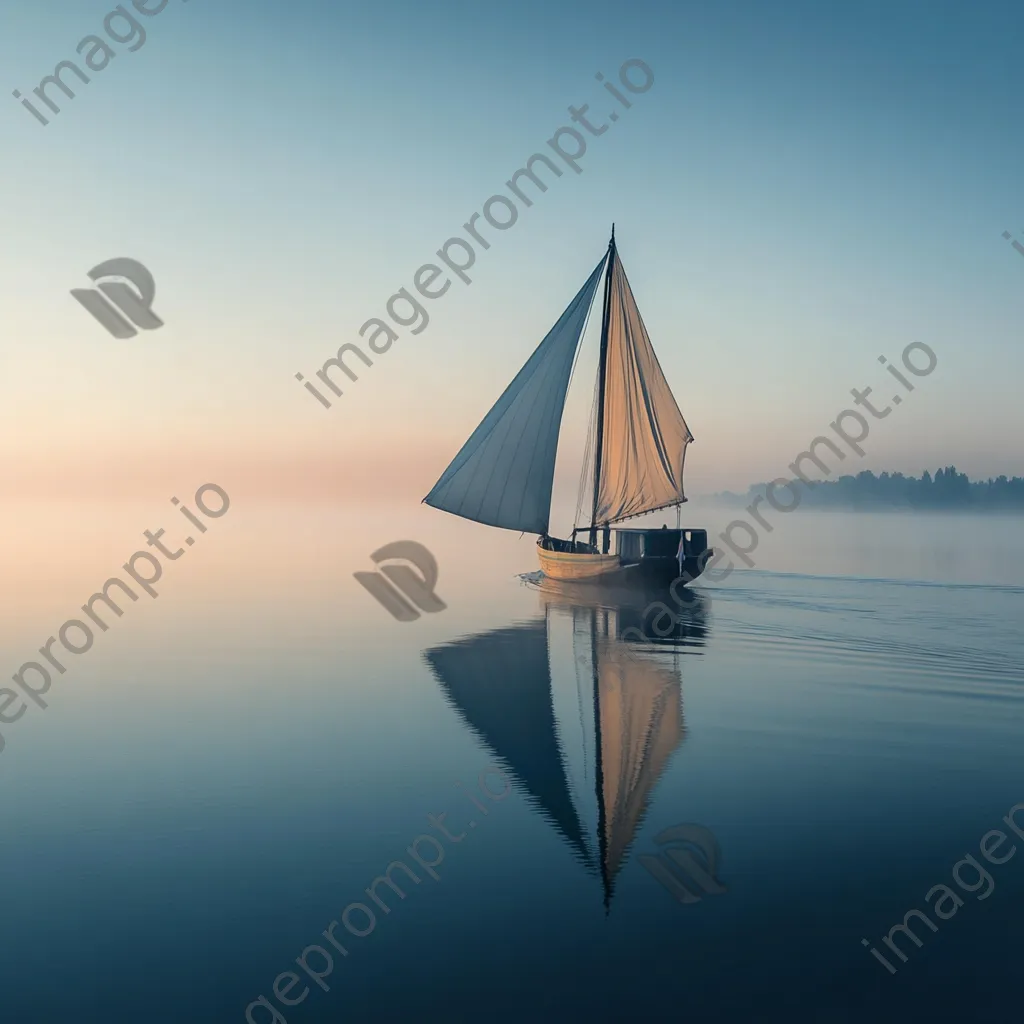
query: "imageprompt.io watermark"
121, 26
946, 901
403, 591
919, 361
688, 866
458, 254
360, 919
135, 305
662, 618
76, 637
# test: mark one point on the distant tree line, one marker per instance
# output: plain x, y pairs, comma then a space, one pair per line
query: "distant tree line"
948, 489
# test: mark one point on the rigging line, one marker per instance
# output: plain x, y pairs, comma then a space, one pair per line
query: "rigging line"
596, 431
602, 378
657, 508
587, 453
585, 476
572, 374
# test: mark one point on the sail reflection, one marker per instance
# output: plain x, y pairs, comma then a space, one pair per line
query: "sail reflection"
586, 721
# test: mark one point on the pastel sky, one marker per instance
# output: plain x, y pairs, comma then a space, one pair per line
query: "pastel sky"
806, 186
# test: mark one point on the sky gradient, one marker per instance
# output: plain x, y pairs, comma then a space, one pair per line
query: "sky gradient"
804, 188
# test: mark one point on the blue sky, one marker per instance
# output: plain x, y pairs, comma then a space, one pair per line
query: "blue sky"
804, 187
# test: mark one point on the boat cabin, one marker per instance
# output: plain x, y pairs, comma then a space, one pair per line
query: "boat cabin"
634, 545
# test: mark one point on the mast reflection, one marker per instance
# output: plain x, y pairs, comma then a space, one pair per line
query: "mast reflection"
586, 720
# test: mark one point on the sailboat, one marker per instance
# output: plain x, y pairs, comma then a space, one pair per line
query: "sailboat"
504, 474
585, 723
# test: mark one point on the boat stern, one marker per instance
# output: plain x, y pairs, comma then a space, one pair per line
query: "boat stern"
573, 560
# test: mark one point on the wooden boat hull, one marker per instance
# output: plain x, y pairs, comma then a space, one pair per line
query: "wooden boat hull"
563, 565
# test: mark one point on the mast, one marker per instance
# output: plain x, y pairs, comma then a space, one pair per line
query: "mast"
601, 374
602, 811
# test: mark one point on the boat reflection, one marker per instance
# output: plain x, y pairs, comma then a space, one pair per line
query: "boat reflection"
585, 720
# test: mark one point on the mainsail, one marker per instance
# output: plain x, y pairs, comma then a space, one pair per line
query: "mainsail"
643, 434
504, 473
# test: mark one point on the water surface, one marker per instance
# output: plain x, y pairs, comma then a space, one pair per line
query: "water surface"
233, 763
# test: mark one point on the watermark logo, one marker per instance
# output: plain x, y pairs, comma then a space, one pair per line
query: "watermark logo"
359, 918
134, 302
122, 26
689, 863
77, 636
404, 311
417, 588
1013, 241
946, 901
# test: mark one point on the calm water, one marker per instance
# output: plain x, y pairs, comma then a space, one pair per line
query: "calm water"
232, 765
